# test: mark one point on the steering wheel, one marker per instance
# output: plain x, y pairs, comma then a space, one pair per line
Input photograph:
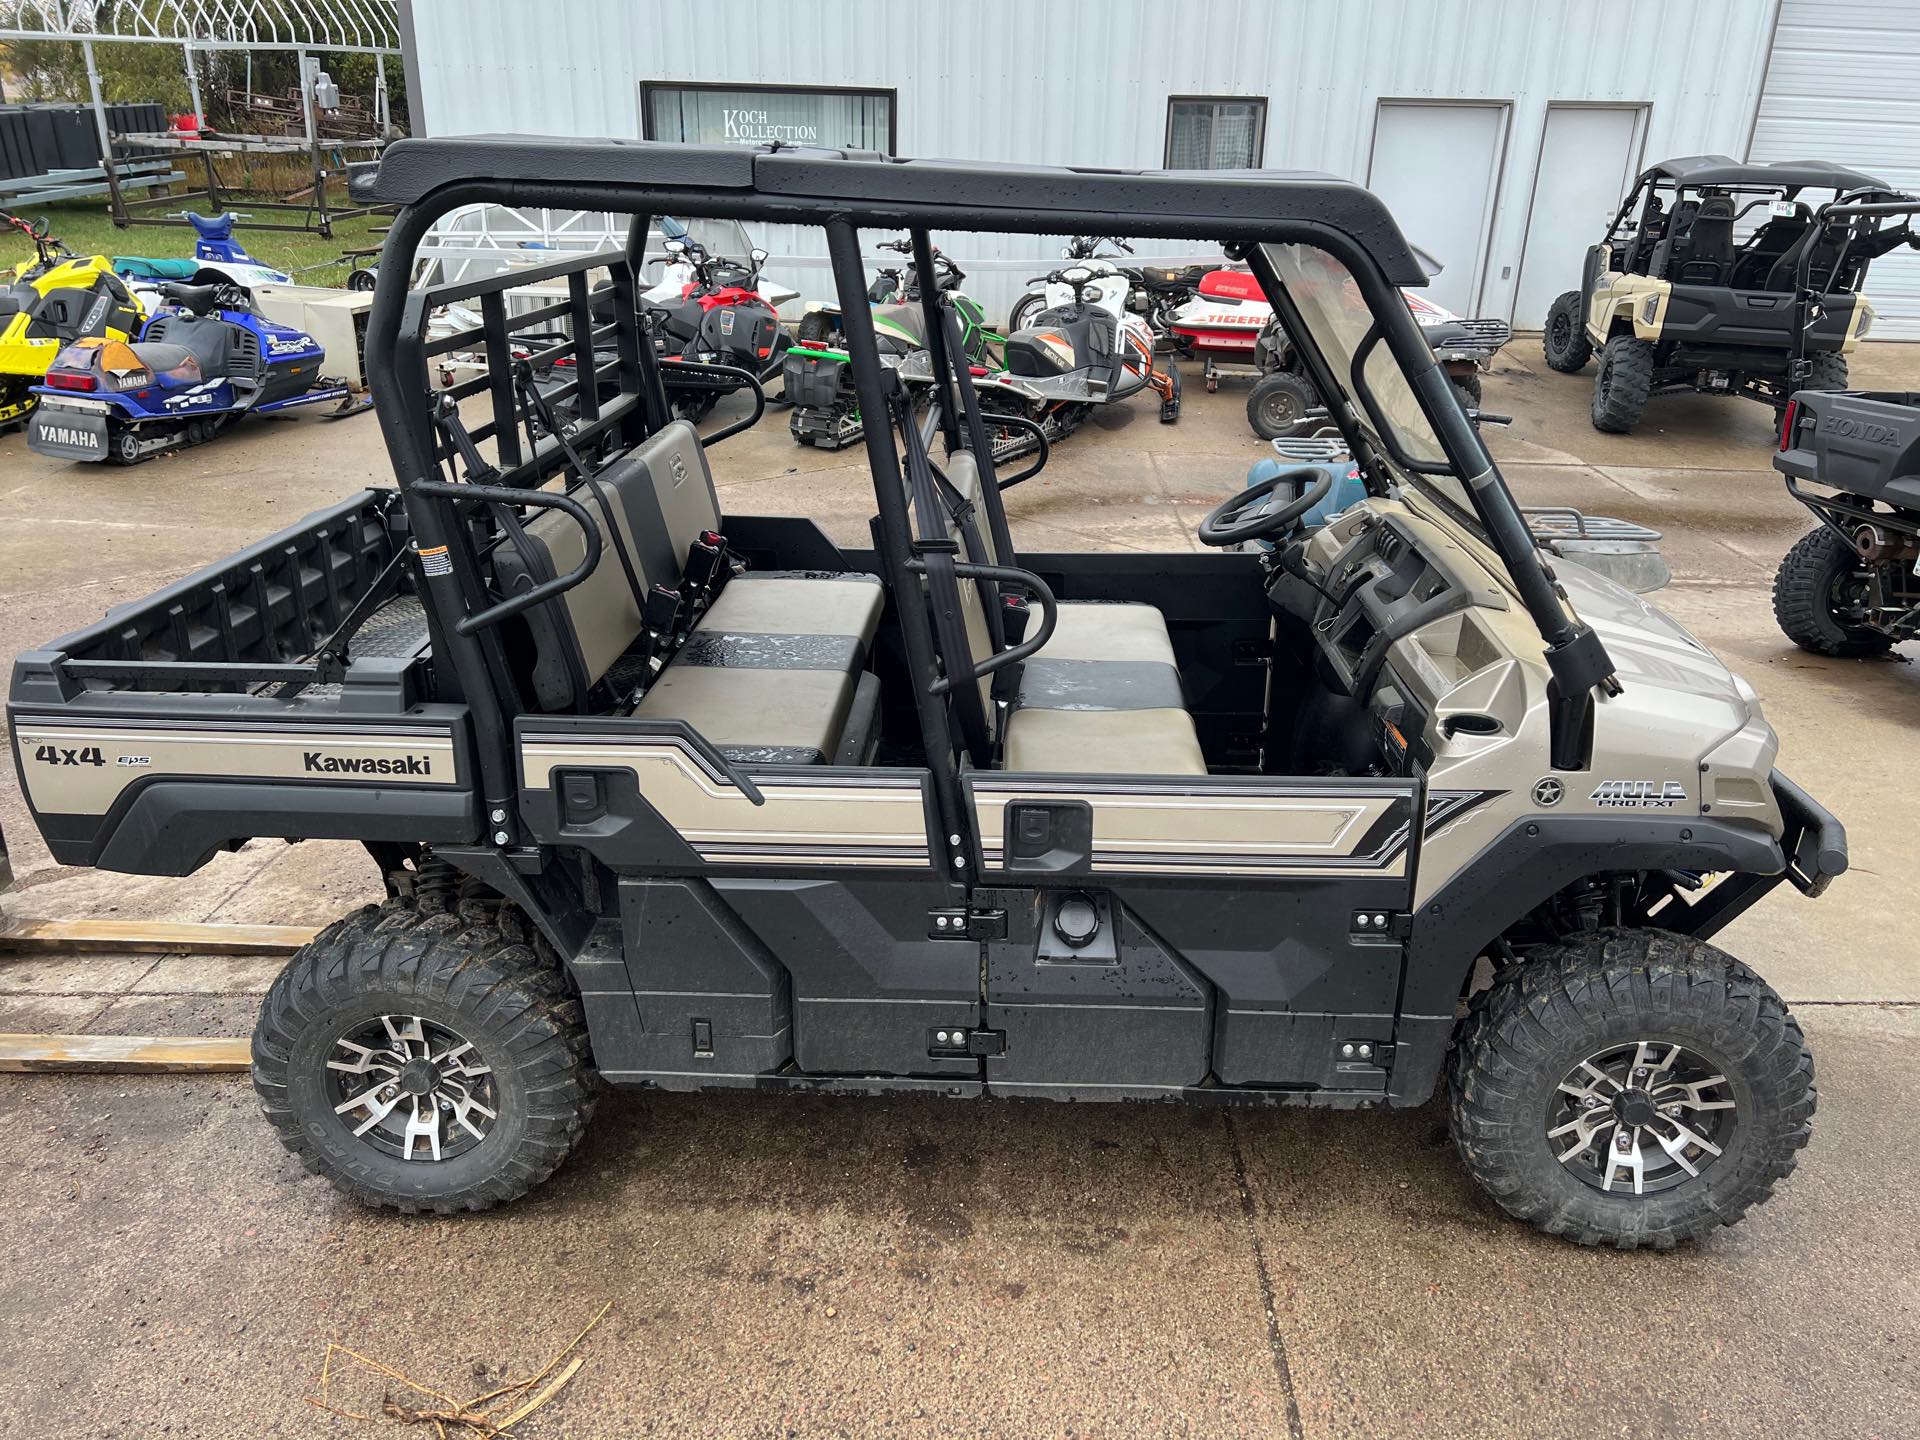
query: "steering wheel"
1245, 517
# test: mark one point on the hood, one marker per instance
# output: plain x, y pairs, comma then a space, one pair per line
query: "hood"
1661, 666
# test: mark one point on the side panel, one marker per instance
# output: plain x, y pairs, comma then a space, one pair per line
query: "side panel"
871, 987
159, 796
1279, 904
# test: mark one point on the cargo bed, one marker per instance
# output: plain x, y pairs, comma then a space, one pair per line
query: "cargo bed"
285, 691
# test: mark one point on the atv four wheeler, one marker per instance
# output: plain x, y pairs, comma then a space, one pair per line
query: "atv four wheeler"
1693, 286
675, 798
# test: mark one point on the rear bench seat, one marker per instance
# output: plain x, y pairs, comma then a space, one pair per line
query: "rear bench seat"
1103, 695
774, 671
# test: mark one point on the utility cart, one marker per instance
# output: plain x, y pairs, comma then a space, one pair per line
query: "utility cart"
669, 796
1693, 286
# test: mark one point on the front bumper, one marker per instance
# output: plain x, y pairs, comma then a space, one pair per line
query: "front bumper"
1814, 843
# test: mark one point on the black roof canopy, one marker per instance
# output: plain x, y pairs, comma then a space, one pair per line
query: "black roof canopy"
1723, 170
802, 185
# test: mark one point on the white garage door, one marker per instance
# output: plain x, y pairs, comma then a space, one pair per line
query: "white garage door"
1587, 160
1437, 167
1840, 88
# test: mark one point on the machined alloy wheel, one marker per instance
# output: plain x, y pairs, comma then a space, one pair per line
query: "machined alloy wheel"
428, 1054
412, 1088
1642, 1117
1629, 1088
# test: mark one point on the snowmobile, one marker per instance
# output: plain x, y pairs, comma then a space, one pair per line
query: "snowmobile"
203, 362
1086, 348
49, 301
709, 310
826, 413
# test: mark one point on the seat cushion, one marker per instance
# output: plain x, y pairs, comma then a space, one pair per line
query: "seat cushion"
1103, 697
1104, 742
771, 672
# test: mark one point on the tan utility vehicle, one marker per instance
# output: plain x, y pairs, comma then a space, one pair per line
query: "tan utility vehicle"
1693, 287
670, 797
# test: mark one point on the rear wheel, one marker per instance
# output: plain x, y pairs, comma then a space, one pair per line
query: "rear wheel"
1625, 381
126, 447
1277, 403
1821, 598
1565, 338
1630, 1088
426, 1060
1828, 372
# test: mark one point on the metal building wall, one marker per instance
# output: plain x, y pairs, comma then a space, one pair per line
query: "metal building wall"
1056, 82
1841, 87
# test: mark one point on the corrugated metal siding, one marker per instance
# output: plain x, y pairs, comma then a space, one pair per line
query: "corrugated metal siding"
1061, 83
1841, 87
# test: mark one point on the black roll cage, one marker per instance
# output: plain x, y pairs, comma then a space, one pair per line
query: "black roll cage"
397, 356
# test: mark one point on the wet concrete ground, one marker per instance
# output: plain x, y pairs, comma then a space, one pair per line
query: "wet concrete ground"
825, 1268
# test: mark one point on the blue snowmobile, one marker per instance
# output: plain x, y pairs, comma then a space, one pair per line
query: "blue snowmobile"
206, 359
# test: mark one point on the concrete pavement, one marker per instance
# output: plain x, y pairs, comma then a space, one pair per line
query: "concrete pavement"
846, 1267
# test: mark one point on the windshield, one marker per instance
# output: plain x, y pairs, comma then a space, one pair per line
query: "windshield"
1337, 320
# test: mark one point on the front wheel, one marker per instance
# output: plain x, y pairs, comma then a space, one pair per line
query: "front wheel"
1621, 388
1630, 1088
426, 1061
1822, 598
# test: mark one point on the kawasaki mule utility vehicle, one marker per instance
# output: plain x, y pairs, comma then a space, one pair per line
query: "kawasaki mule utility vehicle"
1693, 286
674, 797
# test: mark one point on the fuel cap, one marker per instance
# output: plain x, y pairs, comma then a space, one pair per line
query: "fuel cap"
1077, 920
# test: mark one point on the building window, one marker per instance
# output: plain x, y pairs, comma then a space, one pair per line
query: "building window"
761, 114
1215, 133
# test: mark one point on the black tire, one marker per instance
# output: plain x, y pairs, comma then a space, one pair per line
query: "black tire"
1024, 309
1469, 386
1564, 338
1621, 388
1828, 372
1277, 403
471, 968
1469, 402
363, 280
1607, 992
1807, 593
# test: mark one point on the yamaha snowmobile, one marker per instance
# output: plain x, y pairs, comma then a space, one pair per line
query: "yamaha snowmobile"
202, 363
48, 302
826, 412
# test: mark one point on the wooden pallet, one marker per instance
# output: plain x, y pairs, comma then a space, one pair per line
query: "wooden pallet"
121, 1054
148, 937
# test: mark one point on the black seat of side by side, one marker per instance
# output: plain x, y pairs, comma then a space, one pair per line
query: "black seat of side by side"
775, 668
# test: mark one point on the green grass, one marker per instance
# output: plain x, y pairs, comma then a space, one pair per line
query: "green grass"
88, 229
